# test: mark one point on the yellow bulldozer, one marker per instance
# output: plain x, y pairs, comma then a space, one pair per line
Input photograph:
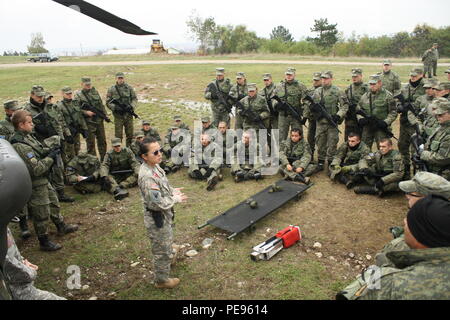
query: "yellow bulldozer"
158, 47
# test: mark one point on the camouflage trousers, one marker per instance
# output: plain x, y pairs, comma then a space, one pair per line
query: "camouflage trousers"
274, 121
238, 122
120, 180
56, 178
43, 205
71, 150
30, 292
219, 116
122, 122
307, 172
96, 131
312, 126
327, 138
88, 187
404, 142
428, 70
161, 240
286, 122
215, 173
370, 135
390, 187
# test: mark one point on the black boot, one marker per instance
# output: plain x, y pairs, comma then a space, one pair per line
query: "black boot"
320, 166
366, 190
212, 183
63, 198
407, 175
66, 228
47, 245
24, 228
120, 194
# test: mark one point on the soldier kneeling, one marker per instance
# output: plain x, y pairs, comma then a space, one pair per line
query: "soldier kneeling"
247, 163
119, 170
83, 172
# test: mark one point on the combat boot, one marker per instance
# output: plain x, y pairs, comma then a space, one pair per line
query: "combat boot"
366, 190
169, 284
120, 193
24, 228
64, 228
47, 245
240, 176
302, 179
62, 197
320, 166
407, 175
212, 183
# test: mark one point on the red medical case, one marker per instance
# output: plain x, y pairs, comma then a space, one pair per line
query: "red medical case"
289, 235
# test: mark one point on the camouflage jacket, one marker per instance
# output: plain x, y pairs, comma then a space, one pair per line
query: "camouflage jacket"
381, 105
307, 112
238, 91
210, 155
157, 194
298, 154
84, 165
224, 86
16, 271
6, 129
418, 274
428, 56
398, 244
267, 93
390, 164
422, 105
258, 105
411, 94
72, 114
437, 151
228, 141
292, 92
117, 161
90, 97
345, 156
34, 155
246, 157
354, 92
47, 121
333, 99
152, 133
171, 140
135, 147
391, 81
123, 94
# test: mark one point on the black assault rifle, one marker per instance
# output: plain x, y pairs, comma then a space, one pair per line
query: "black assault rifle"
286, 106
321, 111
125, 108
97, 112
374, 123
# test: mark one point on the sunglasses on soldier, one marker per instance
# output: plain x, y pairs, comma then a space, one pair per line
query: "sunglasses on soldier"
155, 153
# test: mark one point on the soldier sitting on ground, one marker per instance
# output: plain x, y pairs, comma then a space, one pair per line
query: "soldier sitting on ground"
348, 155
178, 121
149, 132
382, 170
205, 164
295, 158
135, 145
173, 145
247, 162
83, 172
119, 170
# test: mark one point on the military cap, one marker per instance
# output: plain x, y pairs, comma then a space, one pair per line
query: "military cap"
175, 126
144, 122
86, 80
374, 79
251, 87
115, 142
427, 183
356, 72
290, 71
48, 95
447, 71
416, 71
429, 83
440, 106
139, 134
66, 90
435, 85
435, 44
120, 75
38, 91
206, 119
11, 105
387, 62
267, 76
177, 118
220, 71
240, 75
316, 76
327, 75
444, 85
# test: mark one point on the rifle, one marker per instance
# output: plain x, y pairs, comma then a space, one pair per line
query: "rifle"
125, 108
54, 143
122, 172
250, 114
405, 106
417, 141
323, 113
97, 112
374, 122
370, 174
284, 105
216, 91
269, 104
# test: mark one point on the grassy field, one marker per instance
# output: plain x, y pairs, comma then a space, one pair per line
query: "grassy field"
112, 238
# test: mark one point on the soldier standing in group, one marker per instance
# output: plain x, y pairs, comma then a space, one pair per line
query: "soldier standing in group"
312, 121
150, 132
219, 105
119, 97
291, 91
6, 127
411, 92
44, 202
424, 118
390, 80
83, 172
257, 105
335, 103
159, 199
354, 93
119, 170
75, 121
379, 105
267, 93
428, 59
436, 58
238, 92
347, 158
89, 96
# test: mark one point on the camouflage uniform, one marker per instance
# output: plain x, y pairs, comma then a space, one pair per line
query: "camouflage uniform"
220, 112
298, 155
391, 80
172, 141
180, 123
84, 165
336, 104
243, 166
239, 92
21, 277
425, 119
437, 148
258, 105
152, 133
428, 61
95, 124
123, 94
381, 105
6, 127
312, 121
435, 60
209, 158
354, 93
292, 92
268, 93
158, 198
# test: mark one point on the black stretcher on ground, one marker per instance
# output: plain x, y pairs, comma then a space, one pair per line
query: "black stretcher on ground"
242, 216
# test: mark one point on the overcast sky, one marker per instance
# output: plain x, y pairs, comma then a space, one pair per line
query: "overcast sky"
65, 29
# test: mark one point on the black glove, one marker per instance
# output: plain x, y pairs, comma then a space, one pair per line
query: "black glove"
89, 179
379, 184
381, 124
158, 218
365, 171
208, 173
85, 133
197, 174
303, 122
336, 118
70, 140
54, 153
416, 159
363, 122
258, 118
214, 96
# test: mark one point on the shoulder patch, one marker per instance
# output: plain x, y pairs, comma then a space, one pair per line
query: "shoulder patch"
155, 196
30, 155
